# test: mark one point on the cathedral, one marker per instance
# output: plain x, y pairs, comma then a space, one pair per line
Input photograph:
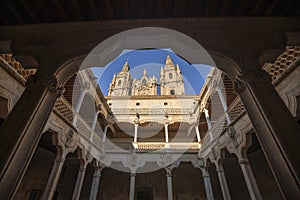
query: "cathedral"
171, 82
62, 138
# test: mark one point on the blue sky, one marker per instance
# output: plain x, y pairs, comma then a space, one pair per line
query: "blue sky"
152, 60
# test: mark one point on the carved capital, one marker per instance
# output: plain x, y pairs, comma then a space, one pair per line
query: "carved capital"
50, 82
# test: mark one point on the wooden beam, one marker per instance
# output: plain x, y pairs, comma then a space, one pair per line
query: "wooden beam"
125, 8
196, 8
93, 9
28, 11
211, 8
108, 9
60, 10
255, 10
14, 12
271, 8
44, 9
77, 10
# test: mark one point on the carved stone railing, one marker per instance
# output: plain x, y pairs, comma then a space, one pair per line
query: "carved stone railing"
152, 111
283, 63
235, 110
163, 146
63, 107
17, 66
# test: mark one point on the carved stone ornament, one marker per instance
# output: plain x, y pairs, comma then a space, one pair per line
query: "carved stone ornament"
69, 139
239, 84
47, 81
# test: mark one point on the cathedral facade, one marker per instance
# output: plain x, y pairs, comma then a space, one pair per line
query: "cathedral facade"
171, 82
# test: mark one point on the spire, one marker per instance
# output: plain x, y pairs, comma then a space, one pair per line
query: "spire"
169, 60
145, 73
126, 66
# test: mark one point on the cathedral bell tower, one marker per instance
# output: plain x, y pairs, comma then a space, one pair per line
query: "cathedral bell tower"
171, 79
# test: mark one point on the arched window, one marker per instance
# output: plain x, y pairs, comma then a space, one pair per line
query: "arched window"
170, 75
119, 82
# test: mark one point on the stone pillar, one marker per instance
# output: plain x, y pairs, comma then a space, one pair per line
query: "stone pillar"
104, 133
169, 183
277, 133
222, 180
135, 132
197, 133
54, 177
96, 180
79, 180
207, 184
132, 186
80, 100
95, 121
250, 179
166, 133
207, 118
21, 131
208, 123
224, 104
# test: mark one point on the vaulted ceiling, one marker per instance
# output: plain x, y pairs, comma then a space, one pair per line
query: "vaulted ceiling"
39, 11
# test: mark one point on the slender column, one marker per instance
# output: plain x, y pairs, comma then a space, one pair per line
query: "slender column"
277, 133
166, 133
207, 118
132, 186
95, 121
207, 184
169, 183
94, 124
80, 100
135, 132
250, 179
197, 133
96, 180
54, 177
104, 133
20, 133
224, 104
222, 180
208, 123
79, 180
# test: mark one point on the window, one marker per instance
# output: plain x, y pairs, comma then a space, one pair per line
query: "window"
119, 83
144, 81
165, 103
172, 92
137, 103
170, 76
109, 104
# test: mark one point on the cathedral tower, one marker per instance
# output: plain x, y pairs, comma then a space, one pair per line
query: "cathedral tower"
121, 82
171, 80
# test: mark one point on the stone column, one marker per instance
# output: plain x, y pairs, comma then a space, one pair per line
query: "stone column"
132, 186
166, 133
104, 133
96, 180
208, 123
222, 180
224, 103
95, 121
54, 177
21, 131
207, 184
197, 133
277, 133
250, 179
80, 100
135, 132
79, 180
169, 183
